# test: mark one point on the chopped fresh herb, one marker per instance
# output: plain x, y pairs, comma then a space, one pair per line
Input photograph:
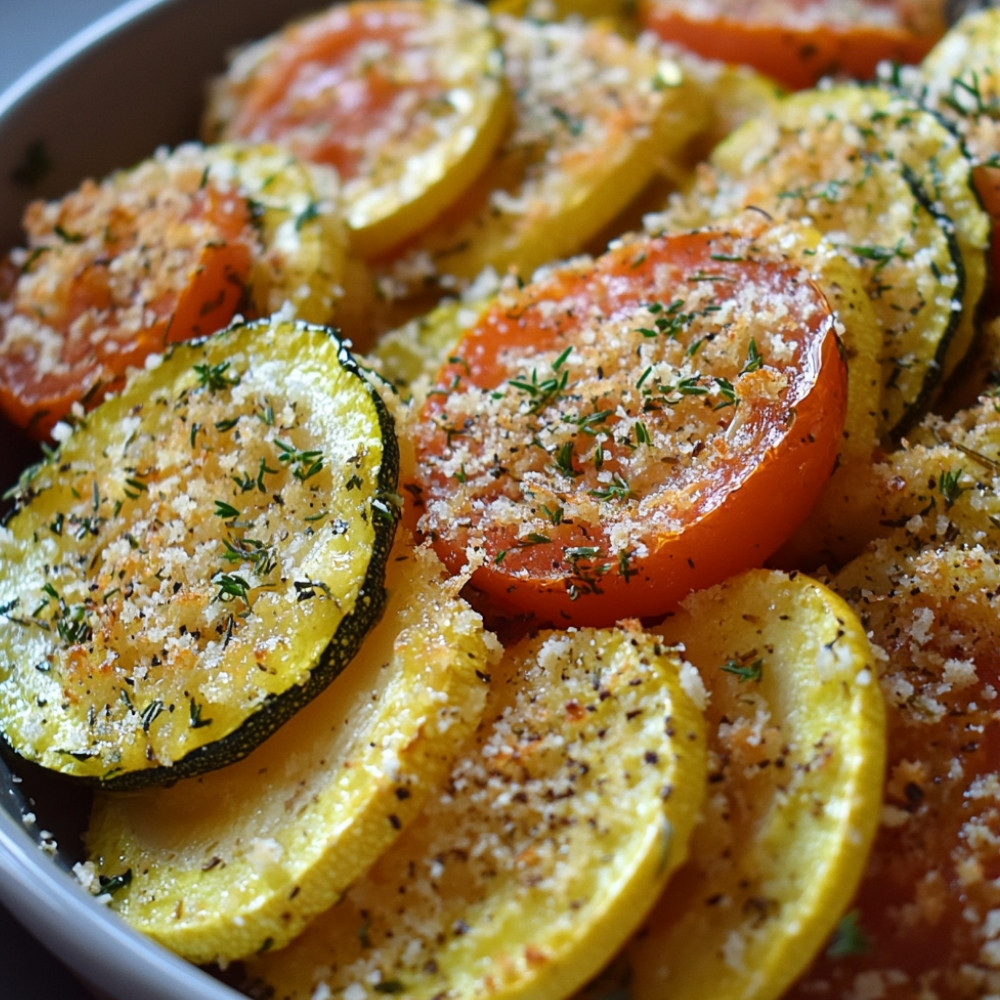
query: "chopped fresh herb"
534, 538
564, 460
225, 510
310, 212
110, 884
617, 489
250, 550
754, 361
879, 255
304, 464
572, 123
668, 321
215, 377
196, 719
849, 938
232, 587
555, 515
542, 392
625, 565
66, 236
728, 393
950, 486
745, 671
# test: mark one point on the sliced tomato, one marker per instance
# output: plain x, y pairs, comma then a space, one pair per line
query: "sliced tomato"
795, 42
405, 98
110, 275
621, 432
986, 179
332, 82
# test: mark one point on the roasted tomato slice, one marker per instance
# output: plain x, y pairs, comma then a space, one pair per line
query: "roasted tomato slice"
110, 273
924, 921
620, 432
798, 41
406, 98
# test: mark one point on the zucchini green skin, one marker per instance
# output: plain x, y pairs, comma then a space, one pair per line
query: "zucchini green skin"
198, 559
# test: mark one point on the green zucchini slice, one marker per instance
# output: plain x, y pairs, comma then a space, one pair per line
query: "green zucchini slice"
198, 559
889, 185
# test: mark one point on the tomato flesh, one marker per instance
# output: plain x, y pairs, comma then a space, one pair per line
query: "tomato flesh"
340, 86
795, 43
108, 277
616, 435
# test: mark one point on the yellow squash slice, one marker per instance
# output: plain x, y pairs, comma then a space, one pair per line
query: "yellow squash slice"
410, 355
406, 98
594, 116
550, 841
237, 861
960, 79
796, 756
299, 214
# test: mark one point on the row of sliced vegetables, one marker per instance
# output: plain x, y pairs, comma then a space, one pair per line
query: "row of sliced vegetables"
570, 621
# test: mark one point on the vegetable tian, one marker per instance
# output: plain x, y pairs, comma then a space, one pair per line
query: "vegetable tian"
518, 512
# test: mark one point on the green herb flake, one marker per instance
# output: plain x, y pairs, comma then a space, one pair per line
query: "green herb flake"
849, 938
196, 720
110, 884
951, 487
745, 671
215, 378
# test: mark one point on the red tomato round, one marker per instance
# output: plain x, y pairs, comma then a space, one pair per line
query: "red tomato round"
617, 434
342, 86
924, 919
111, 274
795, 42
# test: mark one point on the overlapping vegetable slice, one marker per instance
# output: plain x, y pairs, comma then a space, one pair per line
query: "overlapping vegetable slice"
594, 116
959, 79
924, 919
406, 98
796, 756
797, 43
601, 439
198, 559
550, 840
234, 862
297, 211
890, 185
162, 252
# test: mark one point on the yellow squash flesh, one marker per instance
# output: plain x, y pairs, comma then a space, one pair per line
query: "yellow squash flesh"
300, 214
547, 845
796, 757
416, 168
594, 116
